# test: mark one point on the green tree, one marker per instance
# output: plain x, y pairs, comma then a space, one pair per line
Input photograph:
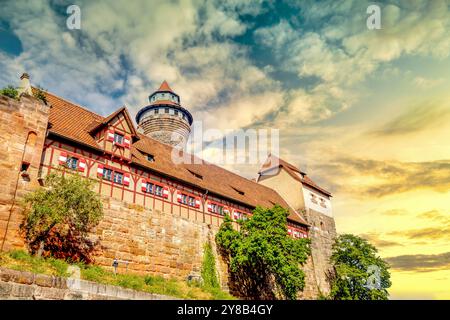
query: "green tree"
360, 274
264, 261
9, 91
59, 216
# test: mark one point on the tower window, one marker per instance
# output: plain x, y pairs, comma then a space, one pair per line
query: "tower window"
167, 110
176, 112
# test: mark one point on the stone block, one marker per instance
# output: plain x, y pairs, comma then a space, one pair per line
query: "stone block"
43, 280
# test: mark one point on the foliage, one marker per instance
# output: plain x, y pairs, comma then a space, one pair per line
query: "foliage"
9, 91
209, 272
59, 217
359, 273
264, 261
23, 261
39, 93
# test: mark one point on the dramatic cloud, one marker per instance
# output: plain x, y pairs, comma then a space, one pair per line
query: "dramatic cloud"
420, 262
390, 177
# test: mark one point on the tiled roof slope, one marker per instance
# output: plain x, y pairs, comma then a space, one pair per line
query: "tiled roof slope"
294, 172
74, 123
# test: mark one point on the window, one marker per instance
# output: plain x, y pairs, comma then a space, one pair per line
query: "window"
150, 158
188, 200
166, 110
156, 111
313, 198
150, 187
159, 191
118, 177
323, 203
216, 208
72, 163
176, 112
118, 138
107, 174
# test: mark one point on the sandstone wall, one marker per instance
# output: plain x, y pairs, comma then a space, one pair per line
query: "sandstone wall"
154, 242
20, 285
23, 128
322, 234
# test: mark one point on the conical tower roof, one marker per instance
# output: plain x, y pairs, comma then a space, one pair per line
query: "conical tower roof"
165, 87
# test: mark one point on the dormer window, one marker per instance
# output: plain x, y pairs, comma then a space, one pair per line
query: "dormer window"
198, 176
118, 138
239, 191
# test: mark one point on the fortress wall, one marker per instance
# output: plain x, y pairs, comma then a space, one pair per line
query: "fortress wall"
157, 239
23, 128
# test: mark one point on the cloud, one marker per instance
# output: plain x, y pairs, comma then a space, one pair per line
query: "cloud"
420, 262
428, 233
375, 239
426, 83
386, 177
340, 53
417, 118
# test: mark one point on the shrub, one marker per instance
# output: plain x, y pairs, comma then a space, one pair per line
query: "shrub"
10, 91
39, 93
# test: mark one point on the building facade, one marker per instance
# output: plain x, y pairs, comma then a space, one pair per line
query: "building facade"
158, 214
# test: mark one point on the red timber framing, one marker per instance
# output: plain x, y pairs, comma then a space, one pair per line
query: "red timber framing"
133, 193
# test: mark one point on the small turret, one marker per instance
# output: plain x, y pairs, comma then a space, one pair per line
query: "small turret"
164, 119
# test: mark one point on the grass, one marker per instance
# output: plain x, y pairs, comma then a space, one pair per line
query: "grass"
22, 261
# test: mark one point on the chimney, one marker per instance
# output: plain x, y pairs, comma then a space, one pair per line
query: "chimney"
25, 86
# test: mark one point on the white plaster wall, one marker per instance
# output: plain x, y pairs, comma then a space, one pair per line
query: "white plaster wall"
327, 210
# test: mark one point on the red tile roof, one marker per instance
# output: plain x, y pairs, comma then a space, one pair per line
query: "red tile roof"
74, 123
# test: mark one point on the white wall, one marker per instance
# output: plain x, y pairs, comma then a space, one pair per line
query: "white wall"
309, 203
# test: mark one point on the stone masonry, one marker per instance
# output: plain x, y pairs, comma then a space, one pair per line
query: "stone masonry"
21, 285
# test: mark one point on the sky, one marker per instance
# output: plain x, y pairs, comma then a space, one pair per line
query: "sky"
366, 113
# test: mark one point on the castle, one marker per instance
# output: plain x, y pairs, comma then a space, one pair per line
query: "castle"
157, 214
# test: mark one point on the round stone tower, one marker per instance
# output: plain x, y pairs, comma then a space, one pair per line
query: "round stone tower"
164, 119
